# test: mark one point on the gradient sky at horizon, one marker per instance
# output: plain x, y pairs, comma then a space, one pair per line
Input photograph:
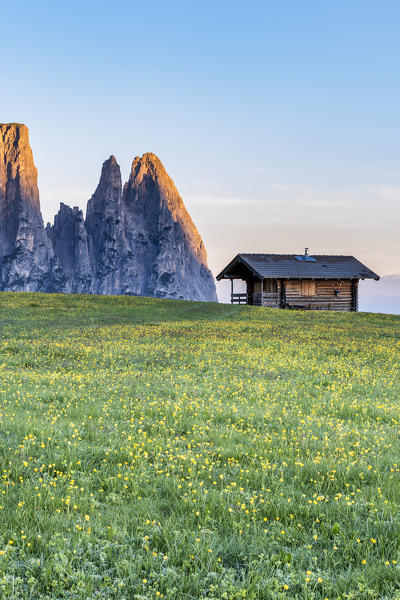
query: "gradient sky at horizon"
278, 121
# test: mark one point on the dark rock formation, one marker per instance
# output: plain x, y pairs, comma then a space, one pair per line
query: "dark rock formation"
141, 241
26, 255
104, 226
69, 240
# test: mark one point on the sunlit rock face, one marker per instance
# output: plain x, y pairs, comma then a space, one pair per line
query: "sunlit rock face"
164, 254
26, 255
137, 240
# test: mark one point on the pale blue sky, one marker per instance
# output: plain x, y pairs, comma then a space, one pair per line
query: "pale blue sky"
278, 121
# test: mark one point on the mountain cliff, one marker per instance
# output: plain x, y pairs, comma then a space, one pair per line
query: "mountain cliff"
138, 239
104, 226
70, 246
26, 255
165, 254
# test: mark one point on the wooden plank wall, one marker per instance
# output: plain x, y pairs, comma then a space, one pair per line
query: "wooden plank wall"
273, 301
325, 294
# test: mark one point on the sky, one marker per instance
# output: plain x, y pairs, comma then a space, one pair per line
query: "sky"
279, 122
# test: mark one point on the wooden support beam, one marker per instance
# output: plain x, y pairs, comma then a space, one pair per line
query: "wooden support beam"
354, 295
282, 300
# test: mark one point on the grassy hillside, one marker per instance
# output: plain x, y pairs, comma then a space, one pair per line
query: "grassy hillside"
161, 449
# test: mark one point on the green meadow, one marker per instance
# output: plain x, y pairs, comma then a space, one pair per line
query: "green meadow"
179, 450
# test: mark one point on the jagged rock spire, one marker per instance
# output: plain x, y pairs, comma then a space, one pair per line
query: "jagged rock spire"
69, 240
166, 256
26, 256
104, 225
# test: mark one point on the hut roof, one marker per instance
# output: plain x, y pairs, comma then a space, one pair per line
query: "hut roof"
291, 266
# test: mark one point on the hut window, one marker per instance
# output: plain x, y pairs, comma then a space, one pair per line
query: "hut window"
308, 288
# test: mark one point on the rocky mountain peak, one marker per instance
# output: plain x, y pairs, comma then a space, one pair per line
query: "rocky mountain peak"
151, 166
139, 240
21, 173
25, 251
104, 226
69, 241
162, 237
110, 172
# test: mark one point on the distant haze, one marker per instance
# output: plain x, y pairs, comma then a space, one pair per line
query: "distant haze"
381, 296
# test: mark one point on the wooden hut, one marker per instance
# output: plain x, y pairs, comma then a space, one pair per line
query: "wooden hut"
297, 281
